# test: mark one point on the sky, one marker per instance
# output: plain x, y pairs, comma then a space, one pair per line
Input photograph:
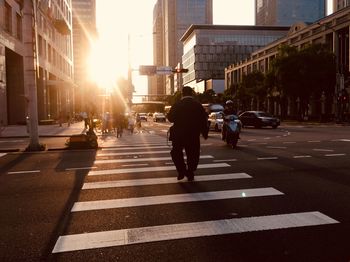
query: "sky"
125, 31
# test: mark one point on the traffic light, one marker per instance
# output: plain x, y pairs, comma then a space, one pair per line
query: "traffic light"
180, 70
343, 97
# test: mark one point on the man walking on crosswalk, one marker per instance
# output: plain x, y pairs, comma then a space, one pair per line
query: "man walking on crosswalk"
190, 121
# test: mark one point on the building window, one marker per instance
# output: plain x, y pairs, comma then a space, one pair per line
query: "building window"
40, 45
7, 17
19, 27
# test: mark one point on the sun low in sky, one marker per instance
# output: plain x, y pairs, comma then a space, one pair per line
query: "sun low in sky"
124, 37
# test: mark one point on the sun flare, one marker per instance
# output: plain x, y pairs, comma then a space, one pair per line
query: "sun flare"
105, 67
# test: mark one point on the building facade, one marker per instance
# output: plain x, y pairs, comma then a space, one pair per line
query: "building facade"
208, 49
35, 59
333, 31
171, 20
286, 12
339, 4
84, 31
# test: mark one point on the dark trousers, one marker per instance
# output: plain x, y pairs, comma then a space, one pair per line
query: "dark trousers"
192, 149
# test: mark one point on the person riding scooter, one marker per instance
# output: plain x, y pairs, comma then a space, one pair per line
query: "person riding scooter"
229, 110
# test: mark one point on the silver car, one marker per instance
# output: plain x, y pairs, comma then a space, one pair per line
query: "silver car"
159, 117
216, 121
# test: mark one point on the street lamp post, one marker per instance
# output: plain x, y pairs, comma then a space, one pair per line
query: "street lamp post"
31, 69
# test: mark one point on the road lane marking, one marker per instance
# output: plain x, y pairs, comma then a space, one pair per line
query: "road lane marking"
125, 160
134, 165
268, 158
149, 169
170, 199
341, 140
305, 156
2, 154
189, 230
24, 172
158, 181
335, 154
322, 150
135, 153
80, 168
225, 160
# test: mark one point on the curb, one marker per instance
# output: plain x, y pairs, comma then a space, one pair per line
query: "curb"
4, 137
11, 150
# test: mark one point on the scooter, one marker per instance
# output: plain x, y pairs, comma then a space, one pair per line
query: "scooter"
231, 130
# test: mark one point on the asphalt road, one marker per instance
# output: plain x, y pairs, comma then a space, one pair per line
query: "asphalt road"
281, 195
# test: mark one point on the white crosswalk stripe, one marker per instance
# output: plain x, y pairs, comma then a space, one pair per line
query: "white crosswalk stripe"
109, 161
128, 236
178, 198
188, 230
149, 169
159, 181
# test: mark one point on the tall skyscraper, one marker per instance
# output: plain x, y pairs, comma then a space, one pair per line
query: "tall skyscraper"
84, 30
287, 12
171, 19
339, 4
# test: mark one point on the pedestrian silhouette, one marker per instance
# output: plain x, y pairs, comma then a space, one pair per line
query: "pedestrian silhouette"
190, 121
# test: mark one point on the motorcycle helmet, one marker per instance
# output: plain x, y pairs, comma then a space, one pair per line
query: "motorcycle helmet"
229, 103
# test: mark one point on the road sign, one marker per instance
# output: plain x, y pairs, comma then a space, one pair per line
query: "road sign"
147, 69
164, 70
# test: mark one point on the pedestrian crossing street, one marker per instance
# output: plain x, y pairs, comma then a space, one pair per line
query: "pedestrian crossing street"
152, 148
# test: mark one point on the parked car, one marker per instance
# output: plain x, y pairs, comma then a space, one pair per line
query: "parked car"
258, 119
159, 117
143, 116
216, 121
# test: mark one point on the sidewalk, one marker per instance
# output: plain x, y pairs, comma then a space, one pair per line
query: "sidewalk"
15, 138
20, 131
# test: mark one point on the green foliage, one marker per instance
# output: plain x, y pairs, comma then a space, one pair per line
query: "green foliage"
304, 72
206, 97
171, 100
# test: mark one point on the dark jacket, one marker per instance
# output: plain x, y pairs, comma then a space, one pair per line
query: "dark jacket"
189, 118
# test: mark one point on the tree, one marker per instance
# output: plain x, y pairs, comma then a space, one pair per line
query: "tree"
171, 100
253, 84
206, 97
302, 73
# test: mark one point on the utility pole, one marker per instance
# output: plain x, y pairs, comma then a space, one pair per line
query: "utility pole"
31, 69
130, 85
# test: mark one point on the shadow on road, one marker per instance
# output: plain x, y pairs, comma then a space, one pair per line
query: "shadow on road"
77, 162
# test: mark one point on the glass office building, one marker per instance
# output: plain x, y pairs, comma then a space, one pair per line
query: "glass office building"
208, 49
287, 12
171, 19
